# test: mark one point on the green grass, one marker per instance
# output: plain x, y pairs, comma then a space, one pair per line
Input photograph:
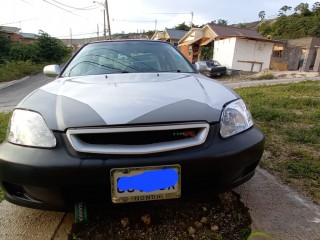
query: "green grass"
265, 76
4, 118
289, 115
15, 70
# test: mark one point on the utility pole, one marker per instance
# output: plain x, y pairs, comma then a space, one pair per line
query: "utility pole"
191, 19
107, 11
71, 37
98, 32
104, 25
155, 25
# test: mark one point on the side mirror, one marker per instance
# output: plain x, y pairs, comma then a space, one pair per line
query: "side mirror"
200, 66
51, 70
196, 64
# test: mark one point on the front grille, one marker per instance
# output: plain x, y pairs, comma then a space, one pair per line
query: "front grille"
138, 139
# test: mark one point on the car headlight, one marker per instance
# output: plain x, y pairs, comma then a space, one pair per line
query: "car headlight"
235, 118
29, 129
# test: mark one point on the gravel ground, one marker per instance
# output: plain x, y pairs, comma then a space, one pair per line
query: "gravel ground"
197, 217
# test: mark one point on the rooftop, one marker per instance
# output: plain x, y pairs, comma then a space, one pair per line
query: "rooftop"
225, 31
9, 29
175, 34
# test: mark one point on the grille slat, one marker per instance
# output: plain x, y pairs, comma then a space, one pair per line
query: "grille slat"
138, 139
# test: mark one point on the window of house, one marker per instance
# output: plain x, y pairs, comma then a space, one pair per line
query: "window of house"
190, 51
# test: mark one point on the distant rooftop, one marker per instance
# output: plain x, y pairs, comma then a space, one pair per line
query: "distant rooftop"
175, 34
29, 35
9, 29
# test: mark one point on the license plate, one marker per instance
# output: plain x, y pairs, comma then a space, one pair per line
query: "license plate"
218, 74
145, 183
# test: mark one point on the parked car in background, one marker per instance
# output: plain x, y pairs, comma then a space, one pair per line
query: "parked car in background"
126, 121
211, 68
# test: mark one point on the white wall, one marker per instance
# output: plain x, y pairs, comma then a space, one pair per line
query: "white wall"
224, 51
230, 51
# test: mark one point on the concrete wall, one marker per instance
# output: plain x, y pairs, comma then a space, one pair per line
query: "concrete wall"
224, 51
293, 55
247, 51
313, 52
295, 47
243, 54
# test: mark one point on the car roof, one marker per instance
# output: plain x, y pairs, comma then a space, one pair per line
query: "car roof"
127, 40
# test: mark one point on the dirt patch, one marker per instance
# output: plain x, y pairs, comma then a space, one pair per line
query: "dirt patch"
247, 76
200, 217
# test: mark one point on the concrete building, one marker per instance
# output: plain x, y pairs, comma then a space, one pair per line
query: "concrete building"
242, 53
172, 36
297, 54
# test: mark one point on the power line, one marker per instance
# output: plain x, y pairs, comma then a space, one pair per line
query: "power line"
68, 11
2, 24
27, 2
169, 13
84, 8
131, 21
61, 8
80, 34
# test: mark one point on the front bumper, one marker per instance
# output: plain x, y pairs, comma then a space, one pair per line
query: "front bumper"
55, 179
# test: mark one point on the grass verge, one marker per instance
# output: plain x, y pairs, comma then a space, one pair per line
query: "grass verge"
15, 70
4, 118
289, 115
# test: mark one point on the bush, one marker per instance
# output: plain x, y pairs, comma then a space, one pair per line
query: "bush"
22, 52
46, 49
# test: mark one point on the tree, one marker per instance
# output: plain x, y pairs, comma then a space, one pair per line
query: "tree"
303, 8
262, 15
50, 49
219, 22
316, 8
5, 45
182, 26
284, 10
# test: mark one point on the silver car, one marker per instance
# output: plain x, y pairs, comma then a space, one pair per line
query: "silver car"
126, 121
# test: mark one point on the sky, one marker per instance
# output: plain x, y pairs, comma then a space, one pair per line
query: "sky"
60, 18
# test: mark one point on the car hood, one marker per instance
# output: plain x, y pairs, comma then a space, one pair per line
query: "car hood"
119, 99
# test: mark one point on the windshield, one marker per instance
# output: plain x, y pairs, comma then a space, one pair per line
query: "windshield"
127, 57
213, 63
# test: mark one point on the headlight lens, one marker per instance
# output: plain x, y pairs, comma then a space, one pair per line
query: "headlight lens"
235, 119
29, 129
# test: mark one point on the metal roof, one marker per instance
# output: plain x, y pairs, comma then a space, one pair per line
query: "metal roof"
9, 29
175, 34
224, 32
29, 35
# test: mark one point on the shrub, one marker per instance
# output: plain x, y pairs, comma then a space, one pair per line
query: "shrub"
22, 52
51, 49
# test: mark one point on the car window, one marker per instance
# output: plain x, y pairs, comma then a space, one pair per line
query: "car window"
126, 57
